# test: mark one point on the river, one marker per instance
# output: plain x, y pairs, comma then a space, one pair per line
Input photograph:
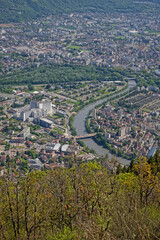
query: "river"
79, 124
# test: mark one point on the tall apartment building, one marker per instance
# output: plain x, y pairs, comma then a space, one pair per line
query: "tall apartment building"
37, 110
122, 132
25, 133
43, 105
94, 113
107, 135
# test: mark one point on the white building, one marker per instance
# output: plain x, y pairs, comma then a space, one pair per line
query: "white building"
37, 110
107, 135
45, 105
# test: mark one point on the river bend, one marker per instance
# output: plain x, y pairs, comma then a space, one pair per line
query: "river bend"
79, 124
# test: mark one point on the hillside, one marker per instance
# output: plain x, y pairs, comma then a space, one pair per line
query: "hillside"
82, 203
19, 10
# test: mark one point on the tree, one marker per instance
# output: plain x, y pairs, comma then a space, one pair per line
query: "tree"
146, 180
30, 87
83, 202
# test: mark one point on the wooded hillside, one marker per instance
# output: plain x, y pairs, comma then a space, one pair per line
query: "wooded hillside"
85, 202
15, 11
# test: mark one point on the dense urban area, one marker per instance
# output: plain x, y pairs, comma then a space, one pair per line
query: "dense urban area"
80, 120
115, 40
36, 125
129, 126
75, 59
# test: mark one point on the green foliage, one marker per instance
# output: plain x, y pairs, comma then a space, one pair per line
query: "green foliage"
84, 202
62, 73
88, 128
7, 146
66, 234
31, 153
30, 87
16, 11
73, 130
8, 90
58, 115
81, 143
23, 165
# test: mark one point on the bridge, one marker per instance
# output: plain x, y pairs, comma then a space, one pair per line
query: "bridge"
85, 136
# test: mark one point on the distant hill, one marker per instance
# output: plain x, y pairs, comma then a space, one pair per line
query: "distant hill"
18, 10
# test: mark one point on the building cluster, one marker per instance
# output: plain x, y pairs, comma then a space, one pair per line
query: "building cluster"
34, 134
50, 153
36, 110
130, 40
131, 125
20, 137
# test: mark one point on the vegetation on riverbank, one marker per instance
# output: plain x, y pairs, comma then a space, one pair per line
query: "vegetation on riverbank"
82, 104
73, 130
100, 140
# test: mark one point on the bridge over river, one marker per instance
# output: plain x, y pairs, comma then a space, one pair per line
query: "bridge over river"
85, 136
79, 125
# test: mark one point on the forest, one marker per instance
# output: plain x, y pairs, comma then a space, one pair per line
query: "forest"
62, 73
83, 202
22, 10
59, 73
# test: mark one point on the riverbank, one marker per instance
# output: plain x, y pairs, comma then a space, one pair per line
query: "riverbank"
79, 125
93, 100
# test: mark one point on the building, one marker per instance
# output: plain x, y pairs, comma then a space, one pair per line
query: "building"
94, 113
36, 110
128, 130
44, 122
24, 115
35, 163
107, 135
17, 140
25, 133
45, 105
57, 147
64, 148
122, 132
153, 88
151, 152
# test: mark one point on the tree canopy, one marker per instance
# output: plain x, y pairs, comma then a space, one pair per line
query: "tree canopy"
16, 11
83, 202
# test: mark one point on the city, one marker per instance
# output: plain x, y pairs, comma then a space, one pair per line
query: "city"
115, 40
37, 120
130, 125
35, 125
79, 120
